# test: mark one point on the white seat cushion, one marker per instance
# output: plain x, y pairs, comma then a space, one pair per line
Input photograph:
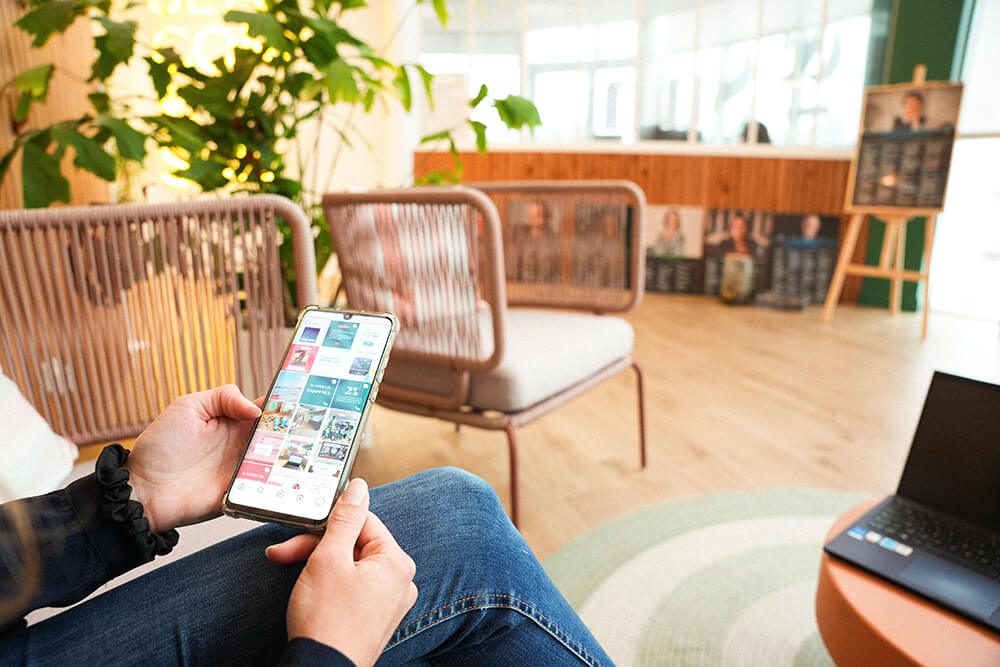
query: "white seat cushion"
547, 352
33, 459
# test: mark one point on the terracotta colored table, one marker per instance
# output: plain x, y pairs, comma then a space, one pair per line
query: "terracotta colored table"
865, 621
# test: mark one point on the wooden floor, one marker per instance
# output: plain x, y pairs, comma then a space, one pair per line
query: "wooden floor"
737, 398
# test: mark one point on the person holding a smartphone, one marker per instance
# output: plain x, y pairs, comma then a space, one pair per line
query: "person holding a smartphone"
427, 568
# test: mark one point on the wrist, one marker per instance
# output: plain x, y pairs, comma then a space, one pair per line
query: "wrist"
141, 494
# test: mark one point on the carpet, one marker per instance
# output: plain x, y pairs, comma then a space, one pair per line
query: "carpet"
725, 579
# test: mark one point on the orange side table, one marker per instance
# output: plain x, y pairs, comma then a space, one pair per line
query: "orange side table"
866, 621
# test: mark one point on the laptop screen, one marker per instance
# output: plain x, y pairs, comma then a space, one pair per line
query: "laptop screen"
954, 462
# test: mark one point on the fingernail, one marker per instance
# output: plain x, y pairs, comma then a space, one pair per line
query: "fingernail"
356, 492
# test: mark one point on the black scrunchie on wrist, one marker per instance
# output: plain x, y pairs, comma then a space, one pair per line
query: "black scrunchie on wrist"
116, 505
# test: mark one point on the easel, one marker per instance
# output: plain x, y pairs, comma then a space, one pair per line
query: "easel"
889, 267
893, 243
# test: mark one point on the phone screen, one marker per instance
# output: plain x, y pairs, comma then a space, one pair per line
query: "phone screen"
309, 423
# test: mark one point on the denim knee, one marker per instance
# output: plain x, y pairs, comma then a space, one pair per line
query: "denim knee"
448, 510
457, 497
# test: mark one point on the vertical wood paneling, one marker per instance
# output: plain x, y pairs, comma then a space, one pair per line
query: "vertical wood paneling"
778, 184
71, 54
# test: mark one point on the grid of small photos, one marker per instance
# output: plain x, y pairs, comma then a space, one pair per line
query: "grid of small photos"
309, 420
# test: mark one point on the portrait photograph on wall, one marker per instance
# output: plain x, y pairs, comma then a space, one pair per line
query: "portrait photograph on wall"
673, 242
803, 255
904, 151
739, 231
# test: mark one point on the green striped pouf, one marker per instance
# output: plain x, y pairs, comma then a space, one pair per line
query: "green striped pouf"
726, 579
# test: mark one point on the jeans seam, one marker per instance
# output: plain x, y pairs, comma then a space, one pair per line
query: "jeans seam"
515, 604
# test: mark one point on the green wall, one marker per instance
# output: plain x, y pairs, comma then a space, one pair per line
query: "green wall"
921, 32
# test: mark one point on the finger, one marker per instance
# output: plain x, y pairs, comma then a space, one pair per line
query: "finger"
229, 401
292, 550
259, 401
347, 519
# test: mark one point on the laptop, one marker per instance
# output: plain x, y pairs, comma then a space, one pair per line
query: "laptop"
939, 534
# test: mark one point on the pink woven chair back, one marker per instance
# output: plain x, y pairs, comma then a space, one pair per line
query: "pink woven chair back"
571, 244
431, 256
110, 312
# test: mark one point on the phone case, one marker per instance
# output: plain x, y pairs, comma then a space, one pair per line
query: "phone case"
359, 431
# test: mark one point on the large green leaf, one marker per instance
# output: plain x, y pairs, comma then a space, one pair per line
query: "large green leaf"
33, 85
182, 132
441, 9
114, 47
49, 19
428, 80
100, 101
42, 181
212, 97
296, 83
6, 160
206, 174
168, 56
90, 156
480, 130
437, 136
480, 96
516, 112
320, 49
263, 25
402, 84
160, 76
340, 83
131, 143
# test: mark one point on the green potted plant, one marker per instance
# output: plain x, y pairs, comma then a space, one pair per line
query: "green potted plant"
232, 129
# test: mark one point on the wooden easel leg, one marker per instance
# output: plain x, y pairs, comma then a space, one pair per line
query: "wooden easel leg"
837, 284
928, 246
888, 243
896, 301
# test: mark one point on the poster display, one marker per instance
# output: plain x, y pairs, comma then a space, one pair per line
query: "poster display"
904, 151
740, 231
674, 244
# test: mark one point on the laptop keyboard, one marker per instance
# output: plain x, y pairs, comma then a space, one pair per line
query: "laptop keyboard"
944, 536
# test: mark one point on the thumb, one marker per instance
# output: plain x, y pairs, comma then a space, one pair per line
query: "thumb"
229, 401
347, 519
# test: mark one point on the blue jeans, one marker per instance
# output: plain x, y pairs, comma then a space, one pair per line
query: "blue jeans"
483, 596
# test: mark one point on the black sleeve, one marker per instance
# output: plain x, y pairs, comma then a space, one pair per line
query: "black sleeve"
303, 652
78, 549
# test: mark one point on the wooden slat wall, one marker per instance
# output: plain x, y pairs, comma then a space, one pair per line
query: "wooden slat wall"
72, 54
792, 185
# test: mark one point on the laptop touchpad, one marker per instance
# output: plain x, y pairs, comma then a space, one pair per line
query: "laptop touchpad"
965, 590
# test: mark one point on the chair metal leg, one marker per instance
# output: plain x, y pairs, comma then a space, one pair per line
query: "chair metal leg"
512, 445
642, 415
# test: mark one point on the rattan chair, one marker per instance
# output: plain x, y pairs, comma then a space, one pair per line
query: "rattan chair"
436, 257
110, 312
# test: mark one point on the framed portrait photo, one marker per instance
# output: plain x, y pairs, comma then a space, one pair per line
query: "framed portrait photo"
904, 148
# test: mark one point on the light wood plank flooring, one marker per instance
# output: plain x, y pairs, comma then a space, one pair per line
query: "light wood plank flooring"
737, 398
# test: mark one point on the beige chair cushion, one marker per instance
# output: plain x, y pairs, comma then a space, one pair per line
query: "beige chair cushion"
547, 353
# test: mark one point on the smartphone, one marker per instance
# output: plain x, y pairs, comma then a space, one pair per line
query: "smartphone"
298, 458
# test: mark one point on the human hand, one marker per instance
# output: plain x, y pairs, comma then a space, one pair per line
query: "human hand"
357, 583
180, 465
